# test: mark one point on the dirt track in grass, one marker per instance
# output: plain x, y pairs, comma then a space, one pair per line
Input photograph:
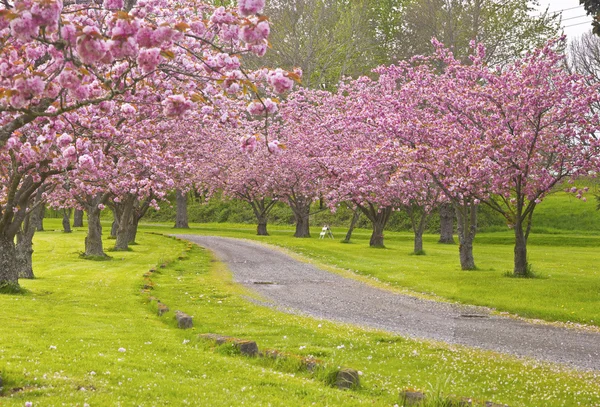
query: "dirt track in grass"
298, 287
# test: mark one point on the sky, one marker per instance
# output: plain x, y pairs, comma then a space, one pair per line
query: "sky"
574, 19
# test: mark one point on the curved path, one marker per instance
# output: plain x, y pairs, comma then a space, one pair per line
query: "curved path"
300, 287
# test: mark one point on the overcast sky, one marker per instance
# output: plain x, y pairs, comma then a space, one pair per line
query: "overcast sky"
574, 20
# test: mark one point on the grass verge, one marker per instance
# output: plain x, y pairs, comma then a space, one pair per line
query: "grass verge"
84, 333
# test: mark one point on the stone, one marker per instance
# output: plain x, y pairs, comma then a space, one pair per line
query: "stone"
492, 404
162, 308
248, 348
184, 321
347, 378
411, 398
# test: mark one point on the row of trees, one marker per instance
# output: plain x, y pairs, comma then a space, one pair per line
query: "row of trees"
115, 104
101, 100
428, 132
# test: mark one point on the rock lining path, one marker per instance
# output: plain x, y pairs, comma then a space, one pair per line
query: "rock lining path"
303, 288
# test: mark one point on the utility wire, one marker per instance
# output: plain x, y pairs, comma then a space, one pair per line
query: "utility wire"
573, 18
573, 25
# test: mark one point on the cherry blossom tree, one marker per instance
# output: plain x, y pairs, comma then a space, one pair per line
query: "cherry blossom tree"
57, 59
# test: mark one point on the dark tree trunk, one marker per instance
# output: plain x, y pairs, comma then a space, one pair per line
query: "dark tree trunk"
181, 221
93, 241
261, 208
261, 229
40, 214
125, 220
447, 224
467, 228
379, 218
9, 275
24, 246
418, 219
418, 246
353, 223
66, 222
521, 265
301, 209
133, 228
78, 218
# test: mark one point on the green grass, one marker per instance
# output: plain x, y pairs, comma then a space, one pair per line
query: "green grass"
60, 340
566, 287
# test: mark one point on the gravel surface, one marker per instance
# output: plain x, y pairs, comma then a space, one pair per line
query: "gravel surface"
298, 287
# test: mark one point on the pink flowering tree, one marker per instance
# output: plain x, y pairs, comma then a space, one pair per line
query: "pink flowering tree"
59, 58
504, 138
539, 124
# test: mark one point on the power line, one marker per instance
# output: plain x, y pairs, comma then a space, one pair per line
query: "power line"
573, 25
573, 18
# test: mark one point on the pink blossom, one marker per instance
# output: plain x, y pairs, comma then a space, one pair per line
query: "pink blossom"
64, 140
176, 105
113, 4
248, 144
23, 27
128, 110
249, 7
123, 48
46, 13
148, 59
280, 81
70, 153
86, 162
274, 147
90, 46
255, 34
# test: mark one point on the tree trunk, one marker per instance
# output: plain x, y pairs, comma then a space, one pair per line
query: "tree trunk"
261, 209
379, 221
301, 211
66, 222
133, 228
521, 265
9, 276
181, 221
261, 229
418, 242
353, 223
78, 218
446, 224
24, 246
40, 213
93, 241
125, 220
467, 228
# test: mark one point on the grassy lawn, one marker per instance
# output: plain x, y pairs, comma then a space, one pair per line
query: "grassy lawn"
567, 287
60, 341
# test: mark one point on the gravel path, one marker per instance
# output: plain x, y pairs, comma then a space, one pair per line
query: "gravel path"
299, 287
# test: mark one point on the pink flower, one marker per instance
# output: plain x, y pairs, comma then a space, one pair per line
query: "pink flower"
248, 144
280, 81
113, 4
86, 162
274, 147
90, 46
255, 34
176, 105
148, 59
128, 110
46, 13
70, 153
23, 27
64, 140
249, 7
